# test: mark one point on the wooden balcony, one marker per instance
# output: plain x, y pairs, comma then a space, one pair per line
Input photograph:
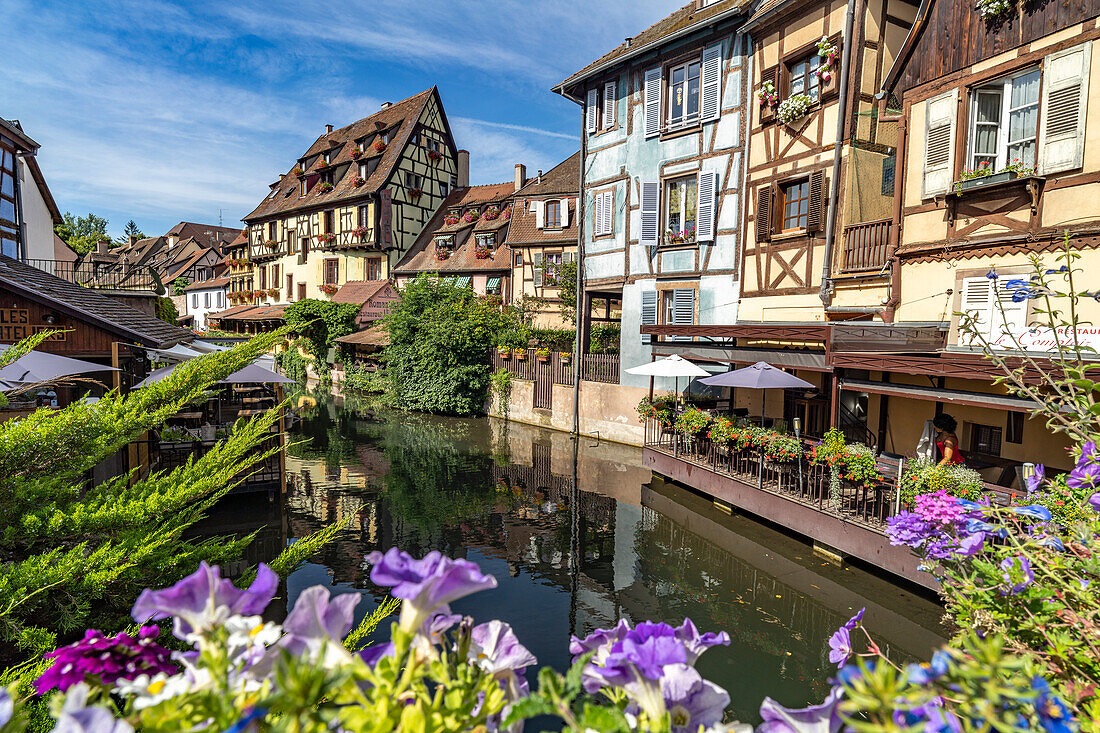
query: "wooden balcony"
865, 245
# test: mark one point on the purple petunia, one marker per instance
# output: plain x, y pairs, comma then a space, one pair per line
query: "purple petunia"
318, 624
426, 584
106, 659
907, 528
1086, 473
496, 650
696, 643
851, 623
1017, 575
204, 598
645, 650
823, 718
1035, 480
1094, 502
691, 701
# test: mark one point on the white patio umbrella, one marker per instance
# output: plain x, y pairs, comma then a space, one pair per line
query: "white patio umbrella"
41, 366
251, 374
671, 366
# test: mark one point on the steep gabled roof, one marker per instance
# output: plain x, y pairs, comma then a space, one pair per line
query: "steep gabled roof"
683, 20
562, 178
206, 234
359, 291
399, 119
88, 305
212, 284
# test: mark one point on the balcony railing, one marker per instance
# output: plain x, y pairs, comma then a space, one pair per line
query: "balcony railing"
865, 245
94, 275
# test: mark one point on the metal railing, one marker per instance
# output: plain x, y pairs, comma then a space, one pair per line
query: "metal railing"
97, 275
865, 245
594, 367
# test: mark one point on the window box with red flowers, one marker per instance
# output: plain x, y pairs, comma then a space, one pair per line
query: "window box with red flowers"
435, 156
321, 162
355, 153
415, 193
326, 238
328, 289
471, 216
360, 232
452, 218
324, 188
482, 251
442, 253
296, 170
273, 292
379, 145
358, 181
271, 244
491, 213
258, 293
506, 214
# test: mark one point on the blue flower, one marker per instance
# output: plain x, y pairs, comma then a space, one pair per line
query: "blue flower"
1035, 511
1061, 269
992, 274
1017, 575
1053, 542
1054, 715
1016, 284
840, 646
849, 673
923, 674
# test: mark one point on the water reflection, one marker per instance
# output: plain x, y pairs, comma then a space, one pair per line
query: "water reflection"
577, 537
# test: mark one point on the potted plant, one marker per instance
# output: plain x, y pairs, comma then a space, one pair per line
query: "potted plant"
828, 53
985, 175
324, 187
542, 354
355, 153
360, 232
793, 108
451, 218
415, 193
482, 251
693, 422
504, 352
358, 181
768, 95
659, 409
471, 216
271, 244
379, 145
326, 238
273, 292
296, 170
435, 156
565, 357
328, 288
520, 354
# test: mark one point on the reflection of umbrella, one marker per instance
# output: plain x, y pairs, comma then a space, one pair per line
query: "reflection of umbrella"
40, 366
251, 374
671, 366
760, 375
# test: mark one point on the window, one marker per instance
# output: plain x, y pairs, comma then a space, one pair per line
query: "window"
363, 171
794, 205
373, 268
413, 180
444, 189
802, 76
194, 300
221, 299
327, 177
362, 218
332, 271
434, 146
263, 278
328, 222
9, 233
304, 189
517, 259
683, 94
681, 199
604, 213
291, 243
1015, 431
553, 214
551, 266
1004, 122
271, 230
301, 291
985, 439
414, 139
206, 300
678, 306
289, 287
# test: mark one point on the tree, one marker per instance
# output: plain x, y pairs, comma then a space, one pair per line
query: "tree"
165, 310
131, 230
438, 357
566, 277
320, 323
82, 233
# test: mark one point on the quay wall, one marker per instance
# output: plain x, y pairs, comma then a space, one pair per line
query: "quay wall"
607, 411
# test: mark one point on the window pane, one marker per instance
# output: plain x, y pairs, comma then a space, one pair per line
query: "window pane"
7, 209
8, 248
7, 184
1025, 89
690, 194
1023, 152
678, 101
693, 90
798, 78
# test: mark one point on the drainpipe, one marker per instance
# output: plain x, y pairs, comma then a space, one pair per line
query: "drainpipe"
579, 342
834, 193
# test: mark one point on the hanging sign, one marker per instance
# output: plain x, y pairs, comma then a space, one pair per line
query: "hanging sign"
387, 217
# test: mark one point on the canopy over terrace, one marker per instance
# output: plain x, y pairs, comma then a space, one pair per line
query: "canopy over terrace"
36, 367
251, 374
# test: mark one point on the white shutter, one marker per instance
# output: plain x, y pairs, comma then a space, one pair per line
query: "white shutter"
939, 143
1008, 316
609, 94
597, 214
706, 206
649, 312
564, 213
977, 301
683, 310
537, 261
653, 102
603, 216
590, 110
540, 213
1065, 90
651, 195
711, 104
567, 257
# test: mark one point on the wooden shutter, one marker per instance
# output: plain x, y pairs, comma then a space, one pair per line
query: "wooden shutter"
977, 300
651, 196
590, 110
769, 74
706, 206
683, 306
564, 213
609, 94
649, 312
1007, 315
710, 106
764, 213
537, 261
540, 213
1065, 91
605, 212
939, 143
653, 102
815, 208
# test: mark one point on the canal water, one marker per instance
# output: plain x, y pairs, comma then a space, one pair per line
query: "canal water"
576, 541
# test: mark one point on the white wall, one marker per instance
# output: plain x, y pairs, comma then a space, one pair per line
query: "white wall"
202, 310
38, 243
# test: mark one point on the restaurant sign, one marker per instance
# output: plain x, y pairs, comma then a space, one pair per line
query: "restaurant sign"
15, 325
1047, 340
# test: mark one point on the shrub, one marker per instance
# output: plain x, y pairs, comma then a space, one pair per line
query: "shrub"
360, 379
659, 408
320, 323
924, 476
604, 338
692, 421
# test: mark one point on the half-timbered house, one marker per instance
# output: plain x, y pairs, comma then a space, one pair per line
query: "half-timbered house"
543, 239
355, 202
664, 117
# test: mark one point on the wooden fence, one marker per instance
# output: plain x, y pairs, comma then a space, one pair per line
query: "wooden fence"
594, 367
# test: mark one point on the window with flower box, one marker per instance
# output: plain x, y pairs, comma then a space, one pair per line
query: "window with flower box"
681, 200
802, 76
332, 271
1004, 122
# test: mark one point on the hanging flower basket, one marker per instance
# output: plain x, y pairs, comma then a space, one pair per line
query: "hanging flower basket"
451, 219
355, 153
415, 193
504, 352
471, 216
828, 53
520, 354
991, 9
321, 162
542, 354
491, 213
324, 188
273, 292
435, 156
768, 95
328, 288
358, 181
565, 357
379, 145
326, 238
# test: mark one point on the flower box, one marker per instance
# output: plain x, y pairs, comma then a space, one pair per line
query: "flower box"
451, 219
415, 193
565, 357
491, 213
504, 352
542, 354
360, 232
379, 145
271, 244
296, 170
273, 292
326, 238
482, 252
355, 153
324, 188
520, 354
986, 179
328, 288
435, 156
793, 108
471, 216
358, 181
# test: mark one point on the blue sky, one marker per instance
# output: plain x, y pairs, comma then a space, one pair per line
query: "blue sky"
167, 111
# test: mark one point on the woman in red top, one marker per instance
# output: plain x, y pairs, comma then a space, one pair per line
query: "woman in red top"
947, 443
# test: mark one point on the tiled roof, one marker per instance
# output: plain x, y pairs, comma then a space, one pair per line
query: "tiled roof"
686, 17
206, 234
88, 305
232, 311
562, 178
421, 257
524, 229
251, 313
763, 9
373, 336
358, 291
400, 118
217, 282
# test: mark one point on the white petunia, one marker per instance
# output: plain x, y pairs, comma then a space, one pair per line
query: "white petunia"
149, 691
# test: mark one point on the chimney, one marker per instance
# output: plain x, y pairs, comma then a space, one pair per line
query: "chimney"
463, 168
328, 128
521, 175
133, 239
387, 105
172, 239
101, 247
540, 175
